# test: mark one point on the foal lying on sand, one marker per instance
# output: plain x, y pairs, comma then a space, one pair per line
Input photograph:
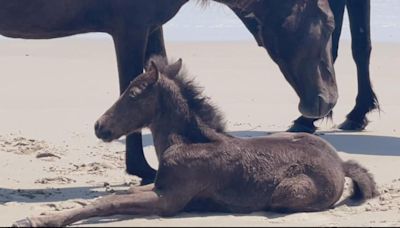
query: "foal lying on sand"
203, 168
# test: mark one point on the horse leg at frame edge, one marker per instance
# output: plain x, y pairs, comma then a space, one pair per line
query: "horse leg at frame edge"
130, 47
366, 101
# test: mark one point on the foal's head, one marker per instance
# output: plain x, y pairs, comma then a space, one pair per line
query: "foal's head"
137, 106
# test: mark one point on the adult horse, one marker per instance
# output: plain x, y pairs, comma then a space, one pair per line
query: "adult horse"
296, 34
360, 26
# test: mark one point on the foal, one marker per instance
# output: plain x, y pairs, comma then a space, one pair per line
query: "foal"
201, 167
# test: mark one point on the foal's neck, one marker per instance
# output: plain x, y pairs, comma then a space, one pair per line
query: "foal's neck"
177, 123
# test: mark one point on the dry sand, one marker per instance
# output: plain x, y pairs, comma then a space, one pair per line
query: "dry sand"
51, 93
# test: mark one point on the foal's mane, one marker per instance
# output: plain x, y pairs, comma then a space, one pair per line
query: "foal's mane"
198, 104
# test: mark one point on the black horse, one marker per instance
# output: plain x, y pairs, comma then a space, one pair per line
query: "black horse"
360, 24
296, 34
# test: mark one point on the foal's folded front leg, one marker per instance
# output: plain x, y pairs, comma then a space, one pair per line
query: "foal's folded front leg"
141, 203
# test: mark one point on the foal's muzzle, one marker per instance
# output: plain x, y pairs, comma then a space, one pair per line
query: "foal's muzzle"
102, 132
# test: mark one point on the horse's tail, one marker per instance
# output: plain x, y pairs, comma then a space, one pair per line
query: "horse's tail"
364, 184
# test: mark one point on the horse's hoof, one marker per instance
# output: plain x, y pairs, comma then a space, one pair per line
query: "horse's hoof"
23, 223
297, 127
351, 125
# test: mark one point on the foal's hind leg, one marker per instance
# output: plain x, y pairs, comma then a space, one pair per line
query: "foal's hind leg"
359, 15
298, 193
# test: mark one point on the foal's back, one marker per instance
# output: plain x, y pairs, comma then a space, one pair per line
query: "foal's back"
244, 175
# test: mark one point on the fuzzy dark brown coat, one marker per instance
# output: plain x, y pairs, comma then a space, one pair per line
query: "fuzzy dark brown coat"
205, 169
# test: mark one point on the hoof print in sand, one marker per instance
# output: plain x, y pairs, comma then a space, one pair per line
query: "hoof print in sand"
25, 146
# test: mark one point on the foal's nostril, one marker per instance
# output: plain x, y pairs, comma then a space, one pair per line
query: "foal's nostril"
96, 126
102, 132
106, 135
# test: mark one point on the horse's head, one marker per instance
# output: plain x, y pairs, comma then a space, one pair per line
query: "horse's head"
297, 35
136, 107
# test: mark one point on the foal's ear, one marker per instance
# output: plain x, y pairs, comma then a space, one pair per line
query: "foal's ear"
152, 74
173, 69
150, 77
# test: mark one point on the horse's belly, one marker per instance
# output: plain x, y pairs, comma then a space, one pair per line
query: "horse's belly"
23, 34
37, 19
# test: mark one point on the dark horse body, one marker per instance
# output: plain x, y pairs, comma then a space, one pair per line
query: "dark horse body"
203, 168
296, 34
360, 26
135, 27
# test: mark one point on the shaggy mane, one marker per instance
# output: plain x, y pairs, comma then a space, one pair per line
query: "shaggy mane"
192, 93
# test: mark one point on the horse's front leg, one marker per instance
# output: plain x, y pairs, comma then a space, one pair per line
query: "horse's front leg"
303, 124
141, 203
155, 44
359, 16
130, 46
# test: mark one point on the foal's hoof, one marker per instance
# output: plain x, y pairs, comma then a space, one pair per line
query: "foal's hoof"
22, 223
351, 125
297, 127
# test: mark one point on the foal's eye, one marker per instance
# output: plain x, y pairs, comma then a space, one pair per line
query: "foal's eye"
135, 91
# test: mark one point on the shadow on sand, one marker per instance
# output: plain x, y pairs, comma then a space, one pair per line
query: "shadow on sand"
349, 142
51, 194
183, 215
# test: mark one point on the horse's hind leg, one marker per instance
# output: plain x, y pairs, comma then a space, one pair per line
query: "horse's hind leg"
143, 203
359, 15
337, 7
298, 193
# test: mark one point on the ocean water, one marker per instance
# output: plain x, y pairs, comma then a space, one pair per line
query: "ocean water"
217, 23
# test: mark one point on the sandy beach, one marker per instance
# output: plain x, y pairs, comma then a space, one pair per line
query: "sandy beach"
52, 92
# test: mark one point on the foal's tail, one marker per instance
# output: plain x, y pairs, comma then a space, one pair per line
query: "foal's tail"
364, 184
